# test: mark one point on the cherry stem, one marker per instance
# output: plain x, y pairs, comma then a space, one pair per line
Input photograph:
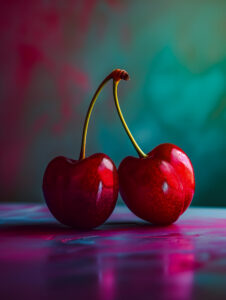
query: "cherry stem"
115, 93
116, 74
88, 114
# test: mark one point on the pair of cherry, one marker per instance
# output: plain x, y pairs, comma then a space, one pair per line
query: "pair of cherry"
158, 187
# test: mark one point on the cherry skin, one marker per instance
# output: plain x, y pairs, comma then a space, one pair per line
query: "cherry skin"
159, 187
183, 166
81, 193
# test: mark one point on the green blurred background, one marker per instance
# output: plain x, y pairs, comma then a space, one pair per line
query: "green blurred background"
53, 56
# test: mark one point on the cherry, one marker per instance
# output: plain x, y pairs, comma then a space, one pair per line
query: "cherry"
83, 193
159, 186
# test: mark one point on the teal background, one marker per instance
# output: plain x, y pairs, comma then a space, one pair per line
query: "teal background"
53, 57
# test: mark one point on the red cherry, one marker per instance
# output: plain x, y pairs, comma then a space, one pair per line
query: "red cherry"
157, 187
81, 193
160, 187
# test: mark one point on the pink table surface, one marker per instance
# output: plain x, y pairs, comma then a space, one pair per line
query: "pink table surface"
125, 258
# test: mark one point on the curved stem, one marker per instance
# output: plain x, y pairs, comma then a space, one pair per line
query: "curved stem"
115, 93
85, 128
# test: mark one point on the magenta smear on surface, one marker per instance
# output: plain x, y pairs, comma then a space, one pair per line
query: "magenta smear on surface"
125, 258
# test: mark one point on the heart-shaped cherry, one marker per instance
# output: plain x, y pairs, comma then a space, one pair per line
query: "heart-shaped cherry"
159, 186
82, 193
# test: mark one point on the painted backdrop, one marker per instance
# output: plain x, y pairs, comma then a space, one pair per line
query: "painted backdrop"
53, 54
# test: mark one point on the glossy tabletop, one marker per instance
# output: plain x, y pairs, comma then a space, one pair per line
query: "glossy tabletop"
125, 258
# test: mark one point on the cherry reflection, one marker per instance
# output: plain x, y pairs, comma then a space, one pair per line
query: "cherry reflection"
146, 262
146, 265
107, 278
